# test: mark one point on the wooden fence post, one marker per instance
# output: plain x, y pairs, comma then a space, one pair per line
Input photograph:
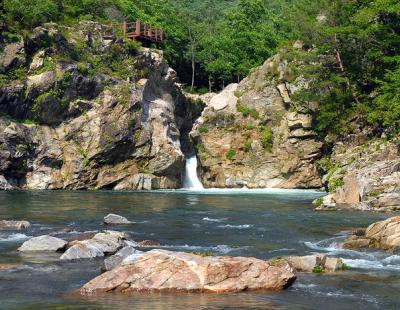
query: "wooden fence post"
137, 27
124, 27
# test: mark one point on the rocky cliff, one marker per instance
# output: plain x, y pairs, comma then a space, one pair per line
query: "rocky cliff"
362, 173
255, 134
83, 109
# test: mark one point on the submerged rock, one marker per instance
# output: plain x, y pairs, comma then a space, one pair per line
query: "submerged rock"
116, 259
18, 225
115, 219
107, 242
381, 235
160, 270
43, 243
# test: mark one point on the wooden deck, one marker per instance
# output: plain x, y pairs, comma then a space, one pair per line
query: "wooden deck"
138, 31
142, 32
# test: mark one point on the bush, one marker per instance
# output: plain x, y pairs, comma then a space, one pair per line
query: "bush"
203, 129
246, 111
249, 127
247, 145
266, 138
318, 269
230, 154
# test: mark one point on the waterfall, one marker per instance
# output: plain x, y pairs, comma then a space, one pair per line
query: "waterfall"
191, 180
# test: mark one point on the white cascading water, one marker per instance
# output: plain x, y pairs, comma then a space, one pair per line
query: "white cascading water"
191, 180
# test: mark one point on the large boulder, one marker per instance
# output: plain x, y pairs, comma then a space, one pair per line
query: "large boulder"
382, 235
43, 243
103, 243
18, 225
160, 270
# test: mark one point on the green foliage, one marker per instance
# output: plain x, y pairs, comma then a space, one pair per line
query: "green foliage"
246, 111
230, 154
344, 267
335, 183
249, 127
247, 145
203, 129
266, 138
319, 201
318, 269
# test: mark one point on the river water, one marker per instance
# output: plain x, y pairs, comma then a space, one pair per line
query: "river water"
263, 224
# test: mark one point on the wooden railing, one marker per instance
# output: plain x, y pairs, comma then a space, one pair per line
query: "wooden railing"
142, 32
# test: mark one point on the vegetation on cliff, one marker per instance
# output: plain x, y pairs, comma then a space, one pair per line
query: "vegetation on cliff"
353, 45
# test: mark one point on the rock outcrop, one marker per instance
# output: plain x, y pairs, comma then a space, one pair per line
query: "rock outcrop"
43, 243
381, 235
254, 134
160, 270
89, 113
362, 174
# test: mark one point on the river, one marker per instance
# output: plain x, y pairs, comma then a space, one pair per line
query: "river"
263, 224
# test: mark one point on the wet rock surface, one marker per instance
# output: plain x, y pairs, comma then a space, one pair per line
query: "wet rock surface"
160, 270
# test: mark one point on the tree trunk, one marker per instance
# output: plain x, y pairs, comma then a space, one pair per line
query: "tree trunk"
209, 84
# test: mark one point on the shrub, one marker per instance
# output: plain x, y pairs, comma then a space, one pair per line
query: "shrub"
246, 111
249, 127
318, 269
230, 154
203, 129
247, 145
266, 138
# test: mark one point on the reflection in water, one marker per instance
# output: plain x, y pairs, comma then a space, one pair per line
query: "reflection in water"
258, 224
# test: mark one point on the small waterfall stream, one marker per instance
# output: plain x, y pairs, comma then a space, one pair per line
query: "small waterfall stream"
191, 180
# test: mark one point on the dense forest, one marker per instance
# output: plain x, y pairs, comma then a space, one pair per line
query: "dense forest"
350, 47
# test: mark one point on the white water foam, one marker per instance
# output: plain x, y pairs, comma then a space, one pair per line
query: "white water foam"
207, 219
363, 259
245, 226
14, 237
191, 180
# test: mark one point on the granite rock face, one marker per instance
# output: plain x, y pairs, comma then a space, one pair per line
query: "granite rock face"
67, 126
363, 174
160, 270
253, 134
